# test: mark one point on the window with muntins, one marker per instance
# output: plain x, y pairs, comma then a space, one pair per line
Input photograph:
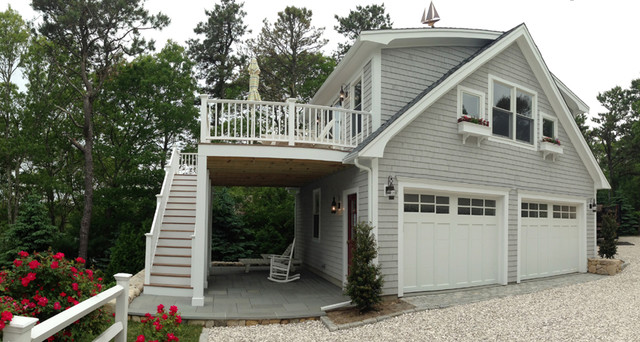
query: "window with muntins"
476, 207
534, 210
564, 212
512, 113
415, 203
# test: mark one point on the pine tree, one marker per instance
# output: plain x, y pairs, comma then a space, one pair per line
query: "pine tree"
31, 232
364, 283
608, 248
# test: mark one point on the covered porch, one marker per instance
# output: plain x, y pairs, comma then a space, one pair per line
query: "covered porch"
235, 295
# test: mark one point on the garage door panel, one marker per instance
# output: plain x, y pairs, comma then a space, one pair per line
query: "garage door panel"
427, 257
410, 257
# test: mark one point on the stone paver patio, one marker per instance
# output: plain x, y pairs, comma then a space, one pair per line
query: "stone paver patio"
234, 295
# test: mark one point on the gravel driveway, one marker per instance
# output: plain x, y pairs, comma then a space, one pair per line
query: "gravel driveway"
603, 310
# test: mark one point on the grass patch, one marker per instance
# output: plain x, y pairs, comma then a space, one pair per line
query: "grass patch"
188, 332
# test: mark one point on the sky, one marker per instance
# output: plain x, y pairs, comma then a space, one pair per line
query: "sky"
591, 45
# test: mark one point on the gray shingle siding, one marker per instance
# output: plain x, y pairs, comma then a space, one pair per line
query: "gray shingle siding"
408, 71
430, 148
325, 255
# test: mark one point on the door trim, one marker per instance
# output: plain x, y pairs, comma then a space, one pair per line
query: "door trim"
502, 195
345, 226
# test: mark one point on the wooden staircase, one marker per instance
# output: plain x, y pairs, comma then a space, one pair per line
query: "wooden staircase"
171, 269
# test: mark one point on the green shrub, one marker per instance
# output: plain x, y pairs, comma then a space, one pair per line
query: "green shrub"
608, 248
364, 283
128, 253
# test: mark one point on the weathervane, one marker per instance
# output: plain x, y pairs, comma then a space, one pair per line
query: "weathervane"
430, 17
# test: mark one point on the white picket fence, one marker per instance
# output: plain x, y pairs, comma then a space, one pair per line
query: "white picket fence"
24, 329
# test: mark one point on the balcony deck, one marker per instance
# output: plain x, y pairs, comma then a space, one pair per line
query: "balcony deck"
260, 143
282, 124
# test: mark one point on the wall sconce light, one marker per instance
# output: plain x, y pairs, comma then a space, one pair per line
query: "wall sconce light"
343, 94
334, 206
593, 205
389, 189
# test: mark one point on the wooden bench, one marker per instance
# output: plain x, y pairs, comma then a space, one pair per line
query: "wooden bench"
248, 262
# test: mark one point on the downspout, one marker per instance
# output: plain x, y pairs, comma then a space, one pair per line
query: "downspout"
371, 194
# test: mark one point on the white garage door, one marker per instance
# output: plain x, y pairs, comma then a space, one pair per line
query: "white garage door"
450, 241
549, 239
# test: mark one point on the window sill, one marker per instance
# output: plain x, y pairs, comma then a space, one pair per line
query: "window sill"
550, 149
470, 129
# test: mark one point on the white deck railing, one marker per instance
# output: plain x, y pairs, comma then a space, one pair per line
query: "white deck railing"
188, 164
287, 123
24, 329
152, 236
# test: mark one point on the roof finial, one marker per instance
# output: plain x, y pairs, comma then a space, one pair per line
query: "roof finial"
430, 17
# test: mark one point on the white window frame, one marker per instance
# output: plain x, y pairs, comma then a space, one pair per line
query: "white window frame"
354, 132
481, 95
544, 116
316, 209
534, 113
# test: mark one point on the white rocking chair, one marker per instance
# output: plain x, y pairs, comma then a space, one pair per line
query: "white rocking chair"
281, 267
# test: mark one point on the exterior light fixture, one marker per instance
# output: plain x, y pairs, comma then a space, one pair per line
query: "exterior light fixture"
593, 205
343, 94
389, 189
333, 205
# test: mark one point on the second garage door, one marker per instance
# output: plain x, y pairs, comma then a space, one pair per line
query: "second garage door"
549, 235
450, 241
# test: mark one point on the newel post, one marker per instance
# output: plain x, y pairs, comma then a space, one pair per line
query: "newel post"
122, 305
205, 130
19, 329
292, 120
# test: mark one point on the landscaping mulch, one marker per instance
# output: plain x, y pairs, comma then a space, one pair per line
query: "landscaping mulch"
352, 314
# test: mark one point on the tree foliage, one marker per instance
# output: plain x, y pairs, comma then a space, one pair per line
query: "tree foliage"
89, 38
369, 17
364, 282
608, 248
288, 52
14, 42
216, 56
31, 232
231, 239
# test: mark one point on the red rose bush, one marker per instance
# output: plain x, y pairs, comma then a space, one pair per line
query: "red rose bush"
163, 327
43, 285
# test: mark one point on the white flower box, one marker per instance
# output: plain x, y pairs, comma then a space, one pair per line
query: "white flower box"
551, 149
470, 129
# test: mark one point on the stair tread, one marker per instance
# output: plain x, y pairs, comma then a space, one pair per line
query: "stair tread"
174, 247
169, 285
174, 255
157, 274
176, 230
172, 265
172, 238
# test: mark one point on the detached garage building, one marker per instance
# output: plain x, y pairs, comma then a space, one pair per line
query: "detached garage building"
493, 180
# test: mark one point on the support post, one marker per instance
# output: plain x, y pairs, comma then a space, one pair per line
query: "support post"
19, 329
198, 243
292, 121
122, 305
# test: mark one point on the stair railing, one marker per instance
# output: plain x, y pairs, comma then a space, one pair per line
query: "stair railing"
162, 198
